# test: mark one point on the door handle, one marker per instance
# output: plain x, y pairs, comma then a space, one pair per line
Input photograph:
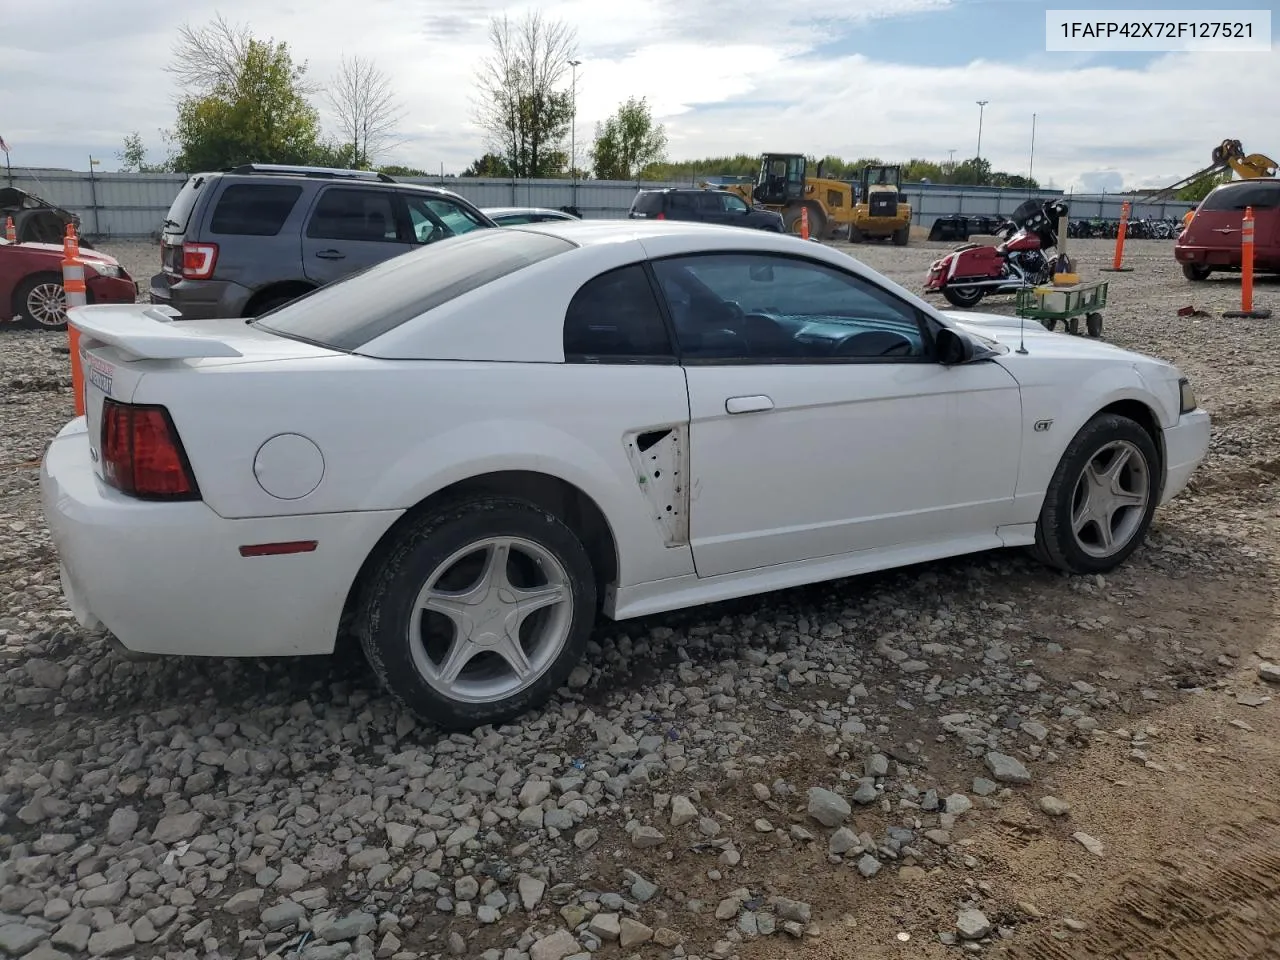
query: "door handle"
330, 255
754, 404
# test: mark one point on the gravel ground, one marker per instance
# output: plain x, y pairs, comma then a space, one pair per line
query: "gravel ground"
955, 757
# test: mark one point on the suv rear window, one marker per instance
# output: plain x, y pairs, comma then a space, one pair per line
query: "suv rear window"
348, 313
254, 209
180, 210
647, 201
1237, 196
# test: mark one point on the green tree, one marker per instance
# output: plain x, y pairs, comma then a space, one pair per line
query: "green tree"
246, 101
627, 142
975, 172
490, 165
1200, 188
520, 107
133, 157
398, 170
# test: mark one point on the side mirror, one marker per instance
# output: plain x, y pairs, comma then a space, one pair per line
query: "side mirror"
953, 348
762, 273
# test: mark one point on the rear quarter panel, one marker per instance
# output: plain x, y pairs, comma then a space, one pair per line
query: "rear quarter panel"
394, 432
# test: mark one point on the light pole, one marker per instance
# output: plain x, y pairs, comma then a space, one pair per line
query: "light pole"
982, 105
573, 133
1032, 169
951, 161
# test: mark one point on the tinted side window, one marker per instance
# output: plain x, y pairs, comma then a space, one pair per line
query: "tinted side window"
512, 219
346, 213
254, 209
1260, 196
615, 318
680, 203
769, 308
733, 203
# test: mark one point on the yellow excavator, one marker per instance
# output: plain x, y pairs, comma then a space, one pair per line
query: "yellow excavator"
1228, 155
783, 184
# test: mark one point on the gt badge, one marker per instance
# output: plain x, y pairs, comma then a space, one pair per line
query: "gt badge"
1042, 426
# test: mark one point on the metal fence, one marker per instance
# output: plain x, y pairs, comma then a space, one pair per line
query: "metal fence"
133, 205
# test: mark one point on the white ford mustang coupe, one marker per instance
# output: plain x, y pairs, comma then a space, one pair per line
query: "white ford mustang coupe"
463, 453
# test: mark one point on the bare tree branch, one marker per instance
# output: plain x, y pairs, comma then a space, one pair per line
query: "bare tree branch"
213, 56
366, 109
522, 113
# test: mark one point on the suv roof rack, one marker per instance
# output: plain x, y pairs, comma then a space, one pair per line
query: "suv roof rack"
285, 170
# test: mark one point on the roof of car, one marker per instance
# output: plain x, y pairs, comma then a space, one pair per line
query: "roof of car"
369, 178
507, 211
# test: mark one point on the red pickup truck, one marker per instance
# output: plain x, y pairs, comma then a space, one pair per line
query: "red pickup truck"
1211, 242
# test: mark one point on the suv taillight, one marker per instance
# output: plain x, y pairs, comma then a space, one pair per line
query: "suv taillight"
660, 216
198, 260
142, 455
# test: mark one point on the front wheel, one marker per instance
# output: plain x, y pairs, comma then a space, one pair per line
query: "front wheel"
41, 302
963, 297
1103, 495
479, 611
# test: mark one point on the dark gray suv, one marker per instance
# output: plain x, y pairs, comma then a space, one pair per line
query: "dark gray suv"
703, 206
238, 242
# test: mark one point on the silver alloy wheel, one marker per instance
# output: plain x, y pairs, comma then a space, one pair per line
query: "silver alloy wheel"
491, 619
1110, 499
47, 304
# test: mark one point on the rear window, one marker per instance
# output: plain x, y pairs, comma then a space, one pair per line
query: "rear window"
1237, 196
254, 209
180, 210
647, 201
349, 313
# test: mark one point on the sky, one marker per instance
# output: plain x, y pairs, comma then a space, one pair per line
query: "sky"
889, 78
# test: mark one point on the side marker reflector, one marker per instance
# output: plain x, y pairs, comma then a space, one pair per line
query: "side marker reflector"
277, 549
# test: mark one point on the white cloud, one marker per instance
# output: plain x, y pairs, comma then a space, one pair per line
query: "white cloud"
69, 91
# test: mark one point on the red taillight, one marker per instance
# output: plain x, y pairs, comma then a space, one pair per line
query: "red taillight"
661, 216
142, 455
198, 260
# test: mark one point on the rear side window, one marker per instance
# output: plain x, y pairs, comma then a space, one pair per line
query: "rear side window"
180, 210
344, 213
681, 203
615, 318
1260, 196
254, 209
647, 201
347, 314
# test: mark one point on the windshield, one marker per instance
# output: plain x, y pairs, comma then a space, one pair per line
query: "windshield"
347, 314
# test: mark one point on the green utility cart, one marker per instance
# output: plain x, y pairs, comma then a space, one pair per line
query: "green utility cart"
1049, 304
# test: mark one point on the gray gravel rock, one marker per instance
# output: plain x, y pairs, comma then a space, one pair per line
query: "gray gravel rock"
1007, 769
972, 925
829, 809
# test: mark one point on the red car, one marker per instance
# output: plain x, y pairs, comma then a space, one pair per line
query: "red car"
1211, 241
31, 283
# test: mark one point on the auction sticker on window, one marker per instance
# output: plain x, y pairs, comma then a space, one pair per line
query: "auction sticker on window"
1157, 31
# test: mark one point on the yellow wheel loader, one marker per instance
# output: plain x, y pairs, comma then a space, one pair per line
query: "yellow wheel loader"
783, 184
882, 211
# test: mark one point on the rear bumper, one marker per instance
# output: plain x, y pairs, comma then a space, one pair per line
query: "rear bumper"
1185, 445
168, 578
1227, 258
200, 299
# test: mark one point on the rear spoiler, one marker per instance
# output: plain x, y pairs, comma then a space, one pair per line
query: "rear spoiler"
145, 332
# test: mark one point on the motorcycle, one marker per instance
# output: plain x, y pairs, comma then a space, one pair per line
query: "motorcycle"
1021, 259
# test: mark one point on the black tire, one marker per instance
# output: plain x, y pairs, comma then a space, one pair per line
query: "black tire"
1073, 326
902, 236
963, 297
1093, 325
389, 597
855, 235
1056, 543
1195, 272
817, 221
23, 301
